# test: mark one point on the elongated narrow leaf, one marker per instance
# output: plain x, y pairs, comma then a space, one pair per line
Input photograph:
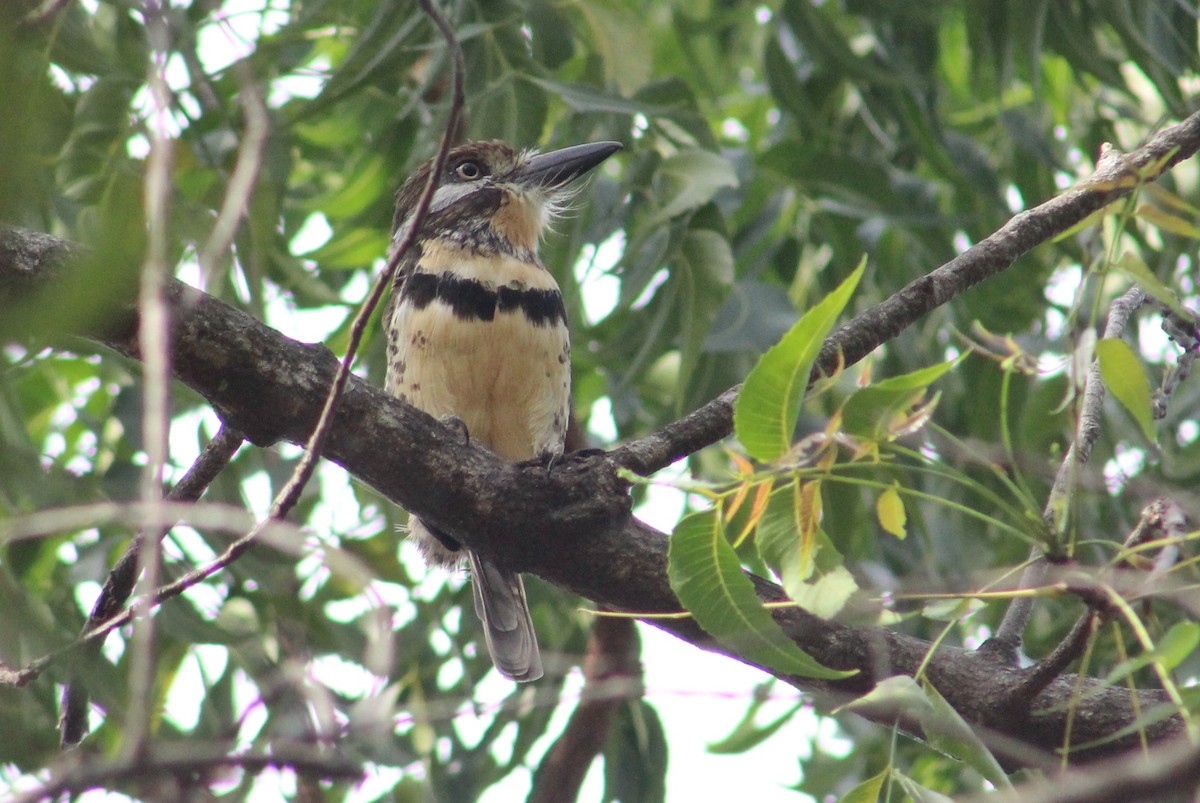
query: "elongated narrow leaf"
1177, 644
705, 574
1125, 378
942, 725
950, 733
748, 734
1132, 266
766, 409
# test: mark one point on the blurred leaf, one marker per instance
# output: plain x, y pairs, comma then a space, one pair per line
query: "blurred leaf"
1172, 648
890, 510
868, 791
1132, 266
1126, 379
635, 756
871, 411
688, 180
747, 735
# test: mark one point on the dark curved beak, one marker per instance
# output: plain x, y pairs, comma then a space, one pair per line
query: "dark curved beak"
561, 167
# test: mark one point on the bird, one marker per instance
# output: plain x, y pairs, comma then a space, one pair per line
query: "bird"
477, 335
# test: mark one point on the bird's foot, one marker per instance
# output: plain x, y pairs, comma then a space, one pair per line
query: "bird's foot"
456, 423
551, 457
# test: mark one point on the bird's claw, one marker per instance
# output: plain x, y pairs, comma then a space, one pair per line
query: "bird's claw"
550, 458
454, 422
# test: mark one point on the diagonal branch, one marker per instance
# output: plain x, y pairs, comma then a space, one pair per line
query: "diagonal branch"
1113, 180
571, 528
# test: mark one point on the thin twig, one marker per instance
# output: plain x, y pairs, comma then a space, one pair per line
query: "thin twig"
871, 328
245, 174
217, 453
78, 772
290, 493
1008, 635
153, 341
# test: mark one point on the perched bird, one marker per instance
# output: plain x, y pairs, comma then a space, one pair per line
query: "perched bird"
477, 334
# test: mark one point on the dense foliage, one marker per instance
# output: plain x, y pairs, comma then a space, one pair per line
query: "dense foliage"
768, 149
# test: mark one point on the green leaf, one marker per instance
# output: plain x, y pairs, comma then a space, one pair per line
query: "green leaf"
765, 413
942, 725
918, 793
746, 734
867, 791
1123, 375
1168, 222
704, 267
688, 180
635, 757
950, 733
867, 412
779, 539
1177, 644
1132, 266
355, 248
890, 510
367, 182
705, 573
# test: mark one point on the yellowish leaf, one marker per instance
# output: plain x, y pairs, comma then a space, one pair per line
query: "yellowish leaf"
890, 510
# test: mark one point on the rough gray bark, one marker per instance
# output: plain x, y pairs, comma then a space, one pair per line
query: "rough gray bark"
571, 527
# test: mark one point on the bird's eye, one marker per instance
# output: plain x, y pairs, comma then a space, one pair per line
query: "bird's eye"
468, 170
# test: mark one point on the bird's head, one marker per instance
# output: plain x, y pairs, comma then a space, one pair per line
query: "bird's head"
494, 198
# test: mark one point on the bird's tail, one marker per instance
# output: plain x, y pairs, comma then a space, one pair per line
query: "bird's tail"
501, 606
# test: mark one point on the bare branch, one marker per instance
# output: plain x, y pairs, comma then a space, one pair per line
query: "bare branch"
571, 527
1114, 179
119, 585
77, 772
1087, 431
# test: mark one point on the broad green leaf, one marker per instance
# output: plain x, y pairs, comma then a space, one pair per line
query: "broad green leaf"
688, 180
950, 733
827, 594
766, 409
1132, 266
867, 413
620, 38
705, 573
355, 248
867, 791
1123, 375
786, 537
365, 185
890, 510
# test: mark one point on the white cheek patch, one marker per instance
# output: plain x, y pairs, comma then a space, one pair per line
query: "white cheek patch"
448, 194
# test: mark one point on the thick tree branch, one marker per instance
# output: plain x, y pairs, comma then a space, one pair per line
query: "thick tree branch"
572, 527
